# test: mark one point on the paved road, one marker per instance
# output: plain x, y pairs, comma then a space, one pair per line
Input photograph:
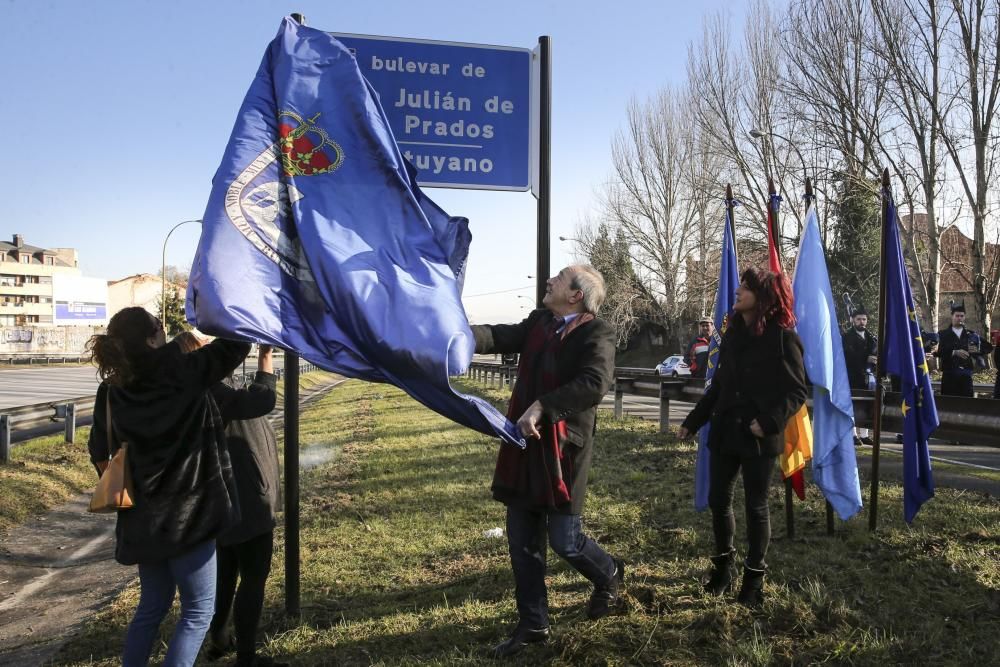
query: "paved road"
27, 386
969, 455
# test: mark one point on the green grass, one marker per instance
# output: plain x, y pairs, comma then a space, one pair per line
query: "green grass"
396, 570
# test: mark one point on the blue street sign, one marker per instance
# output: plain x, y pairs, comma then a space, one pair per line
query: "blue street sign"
460, 112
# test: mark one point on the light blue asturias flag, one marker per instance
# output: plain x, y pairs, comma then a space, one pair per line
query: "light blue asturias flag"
904, 356
834, 463
317, 239
725, 297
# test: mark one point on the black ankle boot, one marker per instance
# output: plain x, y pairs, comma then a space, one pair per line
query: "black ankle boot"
722, 574
752, 591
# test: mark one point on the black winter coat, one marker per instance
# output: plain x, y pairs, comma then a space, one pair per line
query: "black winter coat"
949, 343
183, 481
856, 353
253, 451
758, 377
585, 369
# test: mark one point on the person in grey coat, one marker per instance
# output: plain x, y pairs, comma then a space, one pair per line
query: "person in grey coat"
244, 551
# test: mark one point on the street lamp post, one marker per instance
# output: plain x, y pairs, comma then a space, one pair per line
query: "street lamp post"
163, 273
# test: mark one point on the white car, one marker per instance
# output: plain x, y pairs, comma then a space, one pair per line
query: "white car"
674, 366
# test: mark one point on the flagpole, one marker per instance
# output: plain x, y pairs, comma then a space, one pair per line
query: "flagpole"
291, 426
773, 227
775, 224
730, 207
879, 368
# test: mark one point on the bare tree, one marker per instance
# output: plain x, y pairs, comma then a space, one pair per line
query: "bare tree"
969, 131
834, 81
657, 203
909, 41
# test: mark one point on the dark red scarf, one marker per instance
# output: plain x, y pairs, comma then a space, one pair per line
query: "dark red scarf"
534, 476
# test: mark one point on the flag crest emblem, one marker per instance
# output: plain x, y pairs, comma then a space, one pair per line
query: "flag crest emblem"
305, 145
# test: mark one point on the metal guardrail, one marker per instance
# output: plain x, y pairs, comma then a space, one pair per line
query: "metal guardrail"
38, 414
68, 409
499, 374
43, 360
973, 421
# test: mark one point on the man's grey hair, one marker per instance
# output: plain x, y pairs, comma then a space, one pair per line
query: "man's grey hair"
588, 280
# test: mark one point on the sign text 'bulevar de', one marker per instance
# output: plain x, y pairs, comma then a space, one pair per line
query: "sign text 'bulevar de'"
460, 112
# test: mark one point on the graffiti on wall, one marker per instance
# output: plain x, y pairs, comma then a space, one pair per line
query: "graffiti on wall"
16, 335
46, 340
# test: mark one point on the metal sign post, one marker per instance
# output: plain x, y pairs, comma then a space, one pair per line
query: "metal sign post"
542, 269
464, 115
292, 561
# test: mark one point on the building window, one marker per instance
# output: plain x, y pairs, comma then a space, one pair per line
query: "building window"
7, 321
50, 261
25, 259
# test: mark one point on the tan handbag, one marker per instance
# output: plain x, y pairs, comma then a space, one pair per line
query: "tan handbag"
114, 491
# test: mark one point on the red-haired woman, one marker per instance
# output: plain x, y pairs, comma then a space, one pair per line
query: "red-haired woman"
759, 383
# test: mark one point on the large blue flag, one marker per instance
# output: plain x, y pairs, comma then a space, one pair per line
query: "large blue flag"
904, 356
317, 239
835, 465
725, 296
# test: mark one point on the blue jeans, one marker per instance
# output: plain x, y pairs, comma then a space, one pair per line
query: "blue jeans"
193, 574
527, 531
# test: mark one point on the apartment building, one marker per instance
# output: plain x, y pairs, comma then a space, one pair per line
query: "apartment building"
26, 274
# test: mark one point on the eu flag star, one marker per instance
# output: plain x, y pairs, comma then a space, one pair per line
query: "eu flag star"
906, 408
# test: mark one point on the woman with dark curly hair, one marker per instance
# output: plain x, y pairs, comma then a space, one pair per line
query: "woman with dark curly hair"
759, 383
183, 490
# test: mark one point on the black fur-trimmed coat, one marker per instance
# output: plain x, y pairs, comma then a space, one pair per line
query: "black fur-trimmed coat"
184, 491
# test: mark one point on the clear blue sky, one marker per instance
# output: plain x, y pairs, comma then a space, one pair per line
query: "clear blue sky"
117, 114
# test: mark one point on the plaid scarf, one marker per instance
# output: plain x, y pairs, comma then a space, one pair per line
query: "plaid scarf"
534, 476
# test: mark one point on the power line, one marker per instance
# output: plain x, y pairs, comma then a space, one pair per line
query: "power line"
503, 291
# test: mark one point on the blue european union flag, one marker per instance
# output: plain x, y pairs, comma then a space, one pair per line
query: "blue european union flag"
904, 356
834, 463
316, 237
725, 297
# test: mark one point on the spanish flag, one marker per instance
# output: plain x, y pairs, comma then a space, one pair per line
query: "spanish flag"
798, 431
